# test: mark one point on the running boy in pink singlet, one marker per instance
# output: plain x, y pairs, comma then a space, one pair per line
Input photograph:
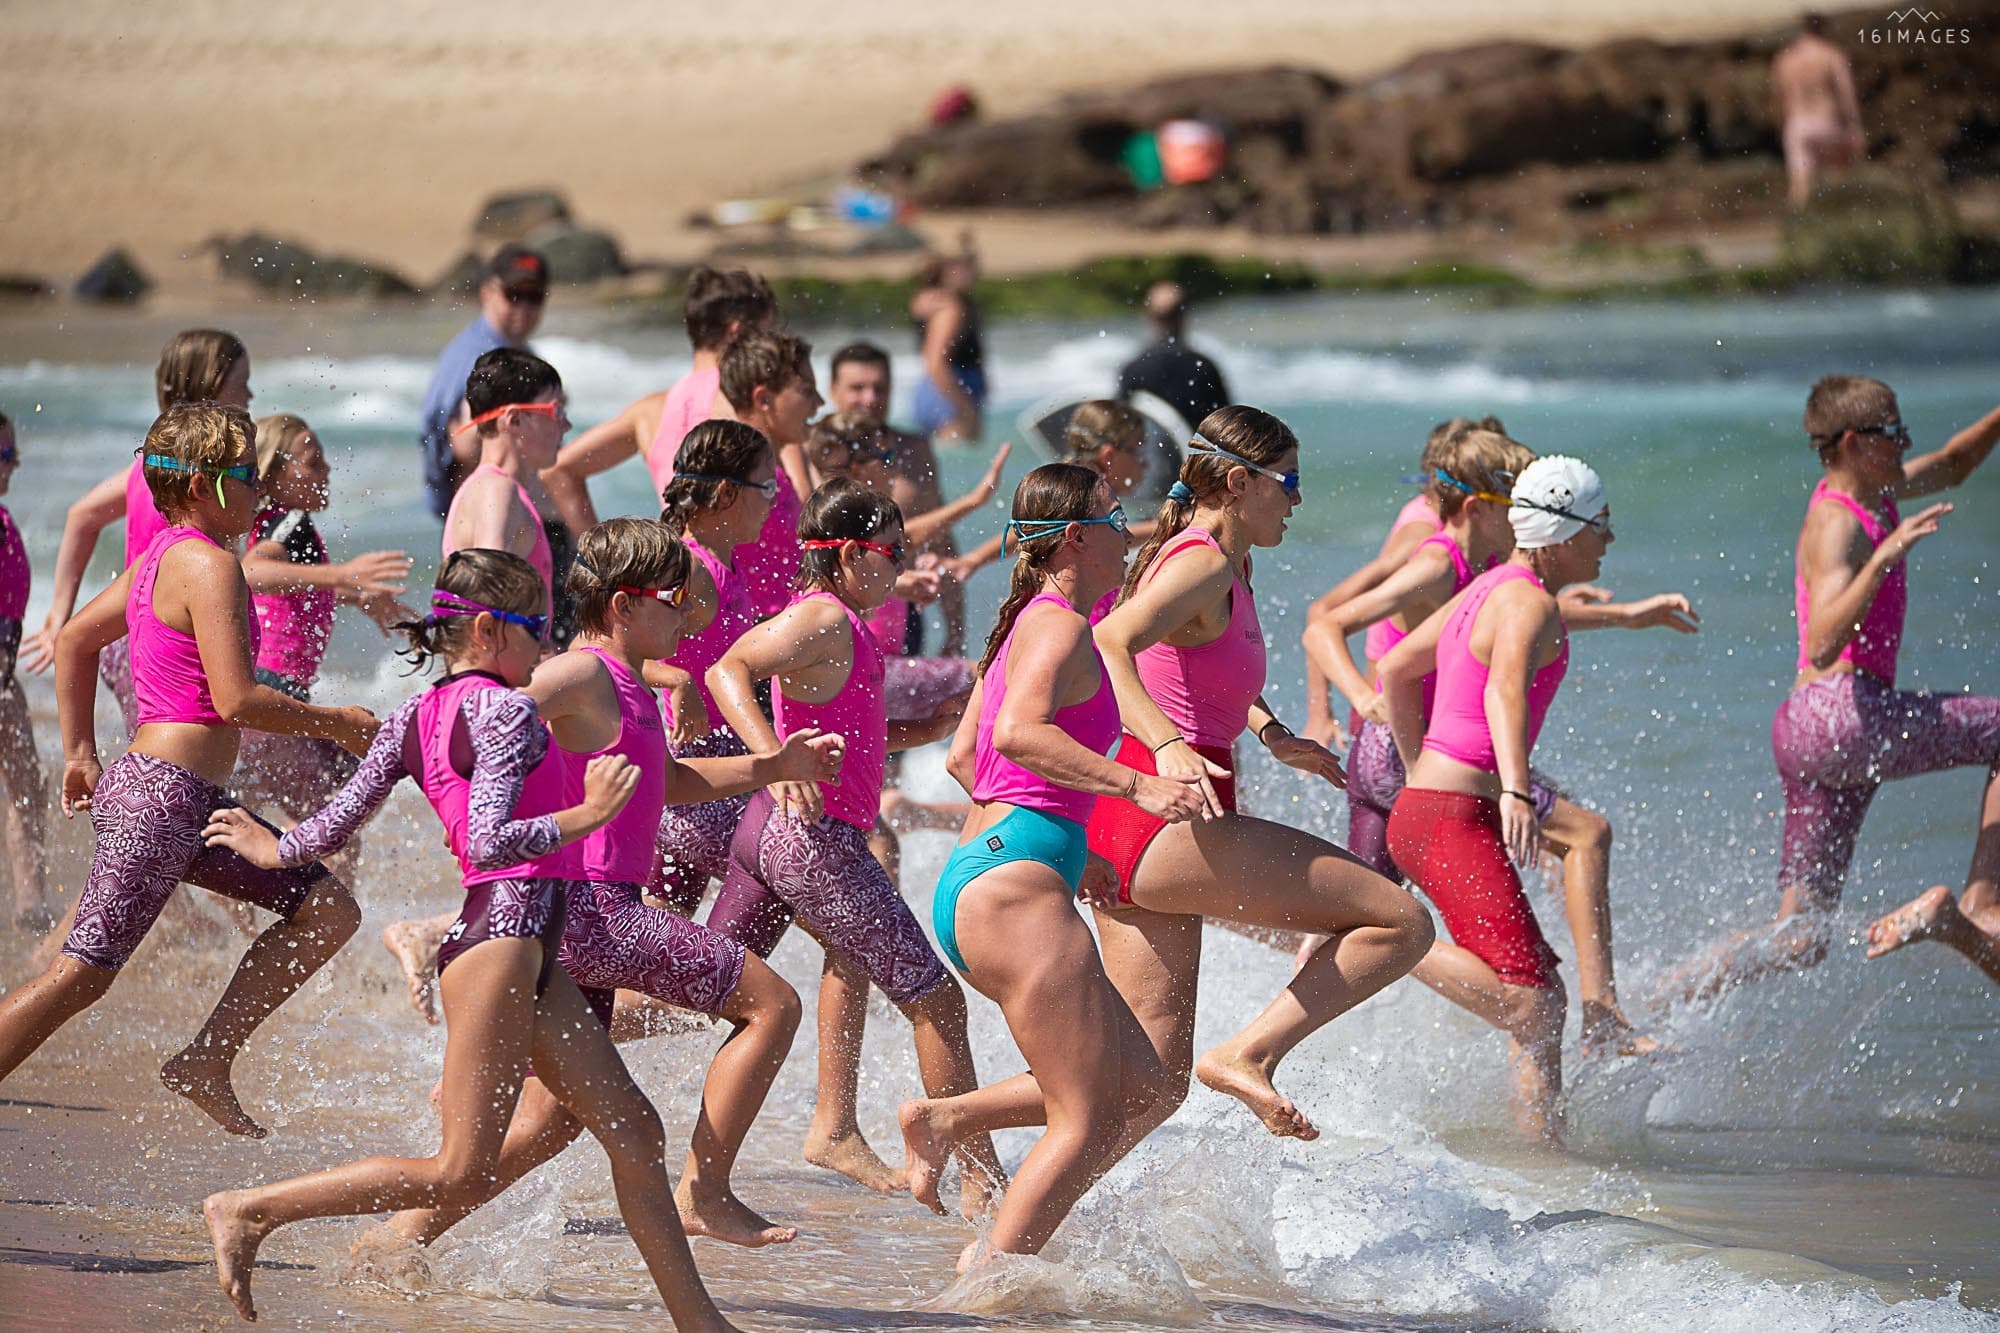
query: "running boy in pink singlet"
187, 610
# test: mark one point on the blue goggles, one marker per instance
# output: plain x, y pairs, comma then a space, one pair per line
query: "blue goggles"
1018, 528
1288, 480
446, 604
243, 472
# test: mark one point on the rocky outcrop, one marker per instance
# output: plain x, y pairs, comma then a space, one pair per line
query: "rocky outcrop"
1532, 138
115, 279
286, 268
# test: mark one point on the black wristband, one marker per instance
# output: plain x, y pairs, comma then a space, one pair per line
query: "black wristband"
1274, 722
1168, 741
1518, 795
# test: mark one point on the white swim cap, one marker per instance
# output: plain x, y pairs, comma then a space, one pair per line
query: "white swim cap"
1554, 498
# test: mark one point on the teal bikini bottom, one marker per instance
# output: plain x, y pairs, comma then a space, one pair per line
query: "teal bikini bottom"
1021, 835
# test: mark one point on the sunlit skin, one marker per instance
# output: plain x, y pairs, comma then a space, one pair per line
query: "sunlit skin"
23, 813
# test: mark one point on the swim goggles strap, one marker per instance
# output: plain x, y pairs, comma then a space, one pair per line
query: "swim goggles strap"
1473, 491
445, 605
172, 464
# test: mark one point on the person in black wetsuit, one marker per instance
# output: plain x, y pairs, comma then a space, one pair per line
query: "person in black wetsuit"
1168, 368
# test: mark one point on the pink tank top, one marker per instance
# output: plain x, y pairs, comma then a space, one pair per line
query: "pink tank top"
1419, 510
770, 565
167, 676
1458, 727
858, 714
1206, 691
734, 617
1461, 574
143, 521
622, 851
538, 555
446, 779
295, 625
15, 574
688, 405
1873, 649
889, 626
1092, 724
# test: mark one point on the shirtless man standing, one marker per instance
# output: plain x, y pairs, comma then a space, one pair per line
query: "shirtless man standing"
1813, 87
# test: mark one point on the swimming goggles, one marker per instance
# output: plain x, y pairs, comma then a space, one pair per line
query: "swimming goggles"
556, 412
1017, 528
673, 596
769, 488
1895, 432
446, 604
1601, 525
894, 553
1474, 491
244, 472
1288, 480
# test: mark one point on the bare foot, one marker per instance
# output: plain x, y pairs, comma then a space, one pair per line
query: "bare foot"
852, 1157
1608, 1032
1226, 1072
416, 953
382, 1254
1924, 916
204, 1080
925, 1151
726, 1217
237, 1237
967, 1255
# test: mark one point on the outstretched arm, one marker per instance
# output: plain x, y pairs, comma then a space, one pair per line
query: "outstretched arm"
922, 529
598, 449
1951, 465
101, 506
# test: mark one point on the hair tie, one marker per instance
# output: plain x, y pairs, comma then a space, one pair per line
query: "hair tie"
1180, 494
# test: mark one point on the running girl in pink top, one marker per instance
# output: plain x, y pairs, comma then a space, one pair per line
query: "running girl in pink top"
477, 747
1034, 755
720, 306
187, 610
630, 582
1466, 816
1845, 729
199, 365
1186, 657
21, 781
802, 848
294, 588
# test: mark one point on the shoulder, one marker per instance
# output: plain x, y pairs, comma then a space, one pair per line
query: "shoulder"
502, 710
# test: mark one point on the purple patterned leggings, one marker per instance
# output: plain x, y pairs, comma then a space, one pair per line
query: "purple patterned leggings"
692, 844
824, 873
1375, 780
1839, 738
613, 939
148, 816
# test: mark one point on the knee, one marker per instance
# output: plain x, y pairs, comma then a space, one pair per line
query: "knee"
331, 912
1416, 930
1596, 833
1537, 1015
633, 1131
942, 1006
783, 1012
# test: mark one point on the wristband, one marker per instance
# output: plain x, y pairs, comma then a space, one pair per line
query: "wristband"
1165, 743
1518, 795
1274, 722
1132, 787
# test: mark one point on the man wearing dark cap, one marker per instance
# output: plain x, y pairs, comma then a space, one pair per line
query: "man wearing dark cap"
1169, 369
510, 306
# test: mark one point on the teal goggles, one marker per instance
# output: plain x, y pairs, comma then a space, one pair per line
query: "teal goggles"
1019, 528
242, 472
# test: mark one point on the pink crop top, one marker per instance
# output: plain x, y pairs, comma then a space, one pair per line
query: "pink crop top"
296, 624
1418, 510
167, 676
538, 555
143, 520
857, 712
734, 617
622, 851
15, 573
688, 405
1093, 724
1458, 727
1206, 691
1874, 648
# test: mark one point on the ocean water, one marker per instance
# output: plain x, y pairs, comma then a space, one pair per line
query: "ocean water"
1823, 1153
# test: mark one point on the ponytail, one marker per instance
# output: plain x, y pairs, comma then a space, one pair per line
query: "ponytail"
714, 454
1053, 494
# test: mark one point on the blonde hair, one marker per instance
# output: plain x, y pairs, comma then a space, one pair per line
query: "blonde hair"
204, 438
1484, 460
639, 552
277, 435
194, 365
1101, 422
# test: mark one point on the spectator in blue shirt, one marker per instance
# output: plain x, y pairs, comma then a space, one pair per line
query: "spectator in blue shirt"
510, 306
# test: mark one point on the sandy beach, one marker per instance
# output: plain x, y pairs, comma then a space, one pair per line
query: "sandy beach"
374, 129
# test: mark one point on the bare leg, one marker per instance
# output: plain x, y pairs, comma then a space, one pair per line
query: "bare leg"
834, 1140
538, 1133
1970, 925
1583, 841
32, 1013
1533, 1017
1796, 941
23, 814
277, 963
944, 1061
415, 947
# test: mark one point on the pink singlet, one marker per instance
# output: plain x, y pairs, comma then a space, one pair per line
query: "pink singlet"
296, 624
15, 574
167, 676
1458, 728
143, 521
857, 712
770, 565
688, 405
734, 617
1461, 574
1207, 690
1873, 649
1380, 640
622, 851
538, 556
1092, 724
442, 763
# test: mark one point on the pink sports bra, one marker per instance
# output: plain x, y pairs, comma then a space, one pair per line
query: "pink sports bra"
1458, 727
1092, 724
622, 851
734, 617
1874, 648
433, 755
167, 676
538, 556
143, 520
1206, 691
1418, 510
15, 574
687, 406
859, 715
